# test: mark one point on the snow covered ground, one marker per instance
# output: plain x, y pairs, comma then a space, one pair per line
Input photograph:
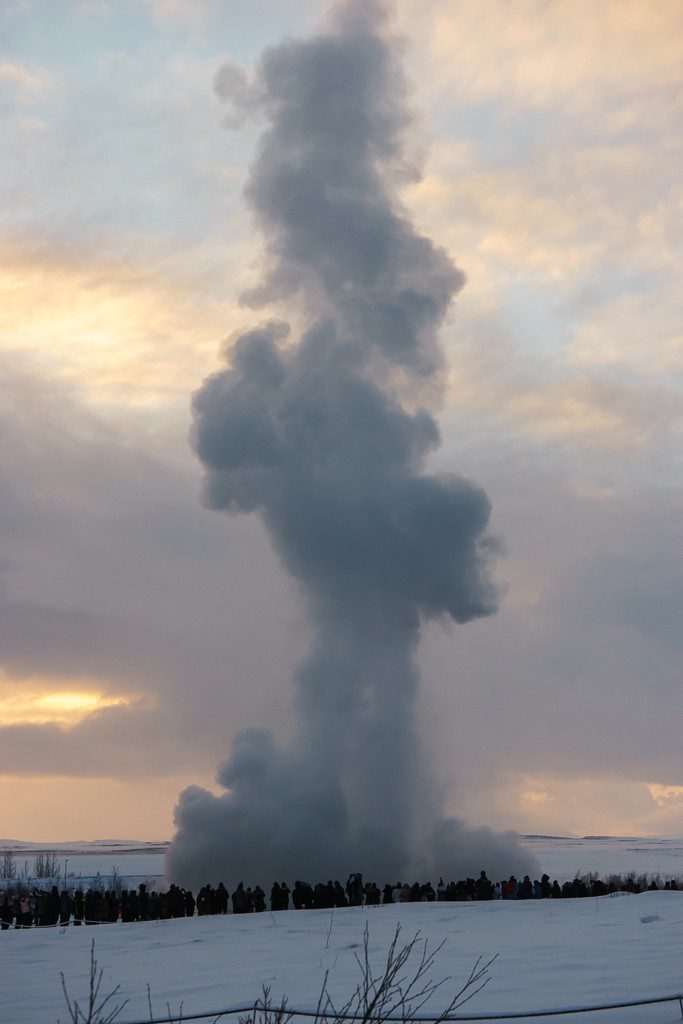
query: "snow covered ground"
566, 858
550, 954
562, 858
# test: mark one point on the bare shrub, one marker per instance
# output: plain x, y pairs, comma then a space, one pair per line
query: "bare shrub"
8, 865
97, 883
621, 881
24, 881
172, 1018
400, 988
45, 865
99, 1010
115, 883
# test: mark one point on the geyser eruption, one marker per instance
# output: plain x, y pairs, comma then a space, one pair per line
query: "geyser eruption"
323, 437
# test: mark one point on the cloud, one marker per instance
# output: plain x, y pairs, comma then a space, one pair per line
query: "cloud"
639, 333
42, 701
581, 56
121, 333
28, 84
110, 582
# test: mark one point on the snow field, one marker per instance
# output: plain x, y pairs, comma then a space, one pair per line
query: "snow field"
550, 954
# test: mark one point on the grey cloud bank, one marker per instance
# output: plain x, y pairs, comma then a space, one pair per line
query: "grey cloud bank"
324, 438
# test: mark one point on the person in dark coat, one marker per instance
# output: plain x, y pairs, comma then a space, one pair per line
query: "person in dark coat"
349, 889
239, 900
297, 896
276, 897
340, 899
188, 900
387, 894
133, 908
90, 907
483, 887
176, 904
64, 907
6, 913
372, 895
222, 898
78, 909
526, 889
53, 905
154, 906
112, 906
143, 902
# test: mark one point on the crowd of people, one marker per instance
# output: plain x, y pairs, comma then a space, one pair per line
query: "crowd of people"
41, 907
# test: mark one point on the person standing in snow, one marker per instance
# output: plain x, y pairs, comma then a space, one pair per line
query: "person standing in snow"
221, 899
483, 887
65, 906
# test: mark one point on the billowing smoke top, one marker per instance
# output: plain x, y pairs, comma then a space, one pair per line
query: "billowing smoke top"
316, 436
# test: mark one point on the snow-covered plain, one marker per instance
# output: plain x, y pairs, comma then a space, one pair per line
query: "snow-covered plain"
562, 858
550, 954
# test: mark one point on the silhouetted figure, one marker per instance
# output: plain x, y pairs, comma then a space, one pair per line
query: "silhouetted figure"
6, 913
240, 902
483, 887
259, 900
340, 899
221, 899
276, 897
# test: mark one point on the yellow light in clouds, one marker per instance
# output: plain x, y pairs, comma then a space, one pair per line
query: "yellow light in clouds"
663, 795
66, 707
122, 332
69, 701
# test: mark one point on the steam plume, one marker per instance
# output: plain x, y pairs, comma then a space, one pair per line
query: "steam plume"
320, 435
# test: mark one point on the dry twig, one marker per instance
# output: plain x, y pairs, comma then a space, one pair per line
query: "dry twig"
98, 1010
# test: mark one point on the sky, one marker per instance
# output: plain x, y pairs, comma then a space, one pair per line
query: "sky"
140, 632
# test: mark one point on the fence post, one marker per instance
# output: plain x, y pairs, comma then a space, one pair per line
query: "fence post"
680, 1006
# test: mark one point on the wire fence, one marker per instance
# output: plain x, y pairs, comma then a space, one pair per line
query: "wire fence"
279, 1016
